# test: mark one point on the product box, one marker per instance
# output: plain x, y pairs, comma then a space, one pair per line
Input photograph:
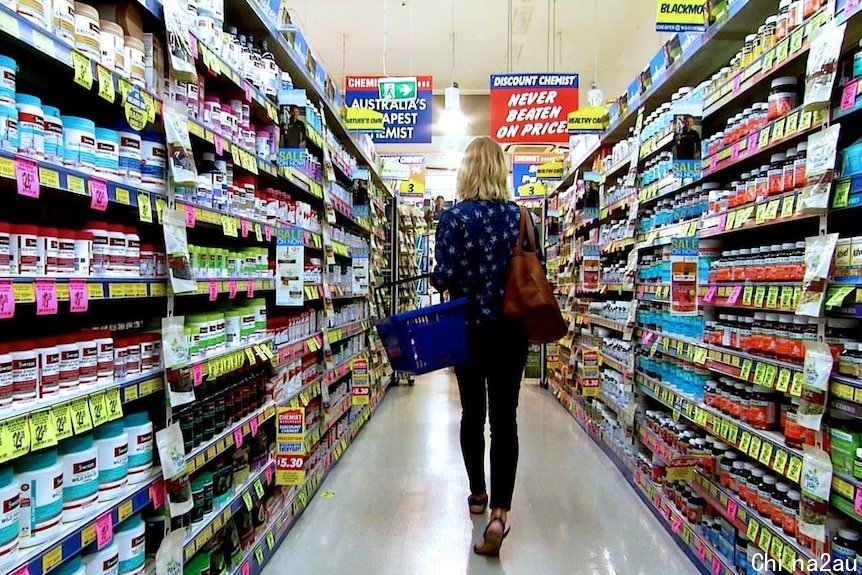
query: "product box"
851, 160
154, 61
844, 445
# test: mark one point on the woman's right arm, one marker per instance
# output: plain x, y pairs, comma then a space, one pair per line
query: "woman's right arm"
448, 246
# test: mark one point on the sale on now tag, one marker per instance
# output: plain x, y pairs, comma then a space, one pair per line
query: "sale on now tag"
213, 290
157, 493
243, 228
46, 297
78, 302
190, 216
98, 194
27, 177
254, 424
7, 299
104, 530
231, 289
249, 288
219, 146
237, 437
197, 374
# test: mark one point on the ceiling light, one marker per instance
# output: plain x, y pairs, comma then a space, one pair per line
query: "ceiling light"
452, 121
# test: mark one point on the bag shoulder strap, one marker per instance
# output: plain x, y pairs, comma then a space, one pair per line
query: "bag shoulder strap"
526, 227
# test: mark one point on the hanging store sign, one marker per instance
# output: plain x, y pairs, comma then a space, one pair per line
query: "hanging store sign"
406, 119
532, 108
411, 187
290, 453
531, 168
590, 120
680, 16
290, 267
363, 120
683, 276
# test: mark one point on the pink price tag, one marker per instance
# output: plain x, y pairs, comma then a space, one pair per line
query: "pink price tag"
246, 88
213, 290
752, 143
734, 295
7, 299
246, 568
231, 286
219, 149
268, 474
190, 216
253, 423
249, 288
701, 550
737, 83
157, 493
851, 5
282, 355
193, 46
27, 176
104, 530
237, 437
722, 221
857, 505
848, 95
716, 565
676, 525
25, 570
734, 152
78, 301
197, 374
731, 508
98, 194
46, 297
710, 294
243, 228
267, 231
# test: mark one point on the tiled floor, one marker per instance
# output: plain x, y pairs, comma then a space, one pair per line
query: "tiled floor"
399, 501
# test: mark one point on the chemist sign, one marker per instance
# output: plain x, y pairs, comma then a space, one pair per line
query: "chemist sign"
406, 118
532, 108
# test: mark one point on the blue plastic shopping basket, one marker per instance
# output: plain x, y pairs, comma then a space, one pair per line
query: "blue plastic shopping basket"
425, 339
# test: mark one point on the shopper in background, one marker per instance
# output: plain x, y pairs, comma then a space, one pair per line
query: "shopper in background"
433, 215
475, 241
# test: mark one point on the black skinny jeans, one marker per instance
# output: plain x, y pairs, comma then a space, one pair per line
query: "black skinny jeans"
498, 354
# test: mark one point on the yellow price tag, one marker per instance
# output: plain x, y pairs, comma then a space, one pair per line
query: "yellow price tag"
745, 371
83, 70
805, 120
145, 207
114, 404
794, 468
62, 421
754, 447
52, 558
42, 430
270, 540
258, 555
747, 294
106, 84
783, 379
763, 139
753, 530
788, 558
759, 295
796, 386
778, 130
14, 438
765, 453
75, 184
776, 548
81, 418
98, 408
765, 539
123, 196
780, 461
49, 178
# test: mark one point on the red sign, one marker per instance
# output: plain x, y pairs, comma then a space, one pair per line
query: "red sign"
532, 108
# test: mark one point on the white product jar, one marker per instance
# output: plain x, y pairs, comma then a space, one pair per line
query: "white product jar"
80, 460
9, 494
107, 152
103, 562
53, 134
112, 47
134, 61
153, 160
5, 374
35, 11
8, 73
79, 143
25, 370
105, 360
31, 126
113, 447
40, 482
87, 32
8, 127
116, 250
64, 20
88, 351
130, 155
49, 366
83, 251
139, 430
70, 362
132, 262
100, 251
131, 538
23, 249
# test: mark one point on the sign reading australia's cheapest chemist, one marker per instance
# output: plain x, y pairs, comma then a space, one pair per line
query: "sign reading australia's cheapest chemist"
406, 120
532, 108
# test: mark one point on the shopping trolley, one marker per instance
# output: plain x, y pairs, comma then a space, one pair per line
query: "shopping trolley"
425, 339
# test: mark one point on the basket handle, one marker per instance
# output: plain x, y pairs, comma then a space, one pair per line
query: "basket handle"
377, 289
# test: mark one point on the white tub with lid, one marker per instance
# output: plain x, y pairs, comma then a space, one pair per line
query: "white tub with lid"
112, 47
130, 536
9, 513
40, 482
79, 457
87, 31
31, 126
113, 445
105, 561
64, 20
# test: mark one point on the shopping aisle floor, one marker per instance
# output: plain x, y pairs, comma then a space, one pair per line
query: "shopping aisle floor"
399, 504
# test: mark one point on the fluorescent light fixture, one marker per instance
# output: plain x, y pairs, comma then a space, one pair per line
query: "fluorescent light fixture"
452, 121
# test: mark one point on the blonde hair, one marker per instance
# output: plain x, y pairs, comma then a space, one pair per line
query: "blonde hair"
483, 174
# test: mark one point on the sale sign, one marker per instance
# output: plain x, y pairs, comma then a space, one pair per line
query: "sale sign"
413, 186
290, 454
532, 108
406, 113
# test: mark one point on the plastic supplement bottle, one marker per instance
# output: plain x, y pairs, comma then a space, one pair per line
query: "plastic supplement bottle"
40, 481
105, 561
9, 494
113, 446
79, 458
139, 430
130, 536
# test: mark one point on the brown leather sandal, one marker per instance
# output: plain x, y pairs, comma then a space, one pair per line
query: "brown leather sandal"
490, 547
477, 503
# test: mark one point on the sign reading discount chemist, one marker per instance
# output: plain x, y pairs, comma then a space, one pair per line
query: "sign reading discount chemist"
680, 15
532, 108
405, 120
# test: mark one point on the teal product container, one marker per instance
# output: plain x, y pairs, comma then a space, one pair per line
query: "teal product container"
8, 128
31, 126
113, 444
79, 143
139, 431
107, 152
40, 481
79, 457
9, 512
53, 135
131, 539
8, 75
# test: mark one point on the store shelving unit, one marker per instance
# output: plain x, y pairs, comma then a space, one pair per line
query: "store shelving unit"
674, 356
311, 356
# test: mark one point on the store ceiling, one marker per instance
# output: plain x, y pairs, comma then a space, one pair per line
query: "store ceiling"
415, 37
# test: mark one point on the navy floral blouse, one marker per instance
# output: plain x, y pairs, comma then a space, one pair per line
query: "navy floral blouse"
474, 245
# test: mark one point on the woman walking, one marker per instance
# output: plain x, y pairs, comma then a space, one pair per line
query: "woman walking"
475, 240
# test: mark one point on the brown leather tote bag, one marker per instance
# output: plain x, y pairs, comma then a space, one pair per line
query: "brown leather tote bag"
529, 295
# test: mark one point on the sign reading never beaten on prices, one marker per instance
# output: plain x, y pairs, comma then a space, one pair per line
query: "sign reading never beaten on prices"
405, 121
532, 108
